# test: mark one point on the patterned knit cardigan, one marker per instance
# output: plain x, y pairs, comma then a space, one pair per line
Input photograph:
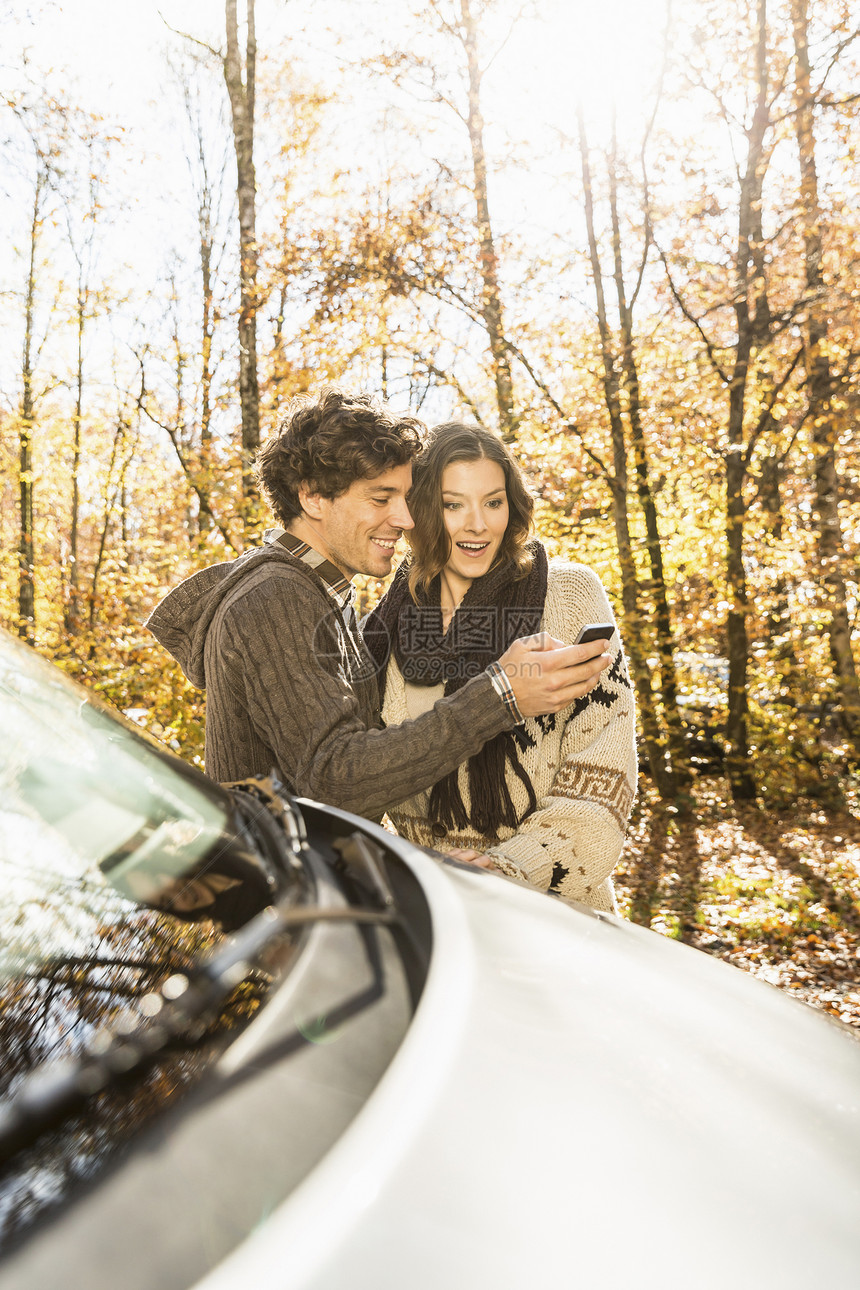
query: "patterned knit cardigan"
582, 764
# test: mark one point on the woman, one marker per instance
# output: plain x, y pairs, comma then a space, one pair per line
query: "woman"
547, 802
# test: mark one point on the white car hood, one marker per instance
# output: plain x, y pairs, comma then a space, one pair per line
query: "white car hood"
579, 1102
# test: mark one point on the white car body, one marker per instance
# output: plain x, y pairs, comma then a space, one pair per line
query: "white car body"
445, 1081
580, 1103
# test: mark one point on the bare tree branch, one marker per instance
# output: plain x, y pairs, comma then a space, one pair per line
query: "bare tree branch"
767, 411
841, 46
710, 349
190, 474
216, 53
569, 424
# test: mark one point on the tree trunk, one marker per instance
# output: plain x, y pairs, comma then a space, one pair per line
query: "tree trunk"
113, 492
383, 373
778, 619
241, 89
72, 615
207, 323
26, 547
26, 566
491, 301
207, 330
635, 631
737, 754
662, 616
819, 385
747, 322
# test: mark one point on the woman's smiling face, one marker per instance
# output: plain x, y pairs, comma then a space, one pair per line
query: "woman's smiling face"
475, 507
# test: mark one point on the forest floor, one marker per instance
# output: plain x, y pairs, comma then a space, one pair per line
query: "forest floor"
777, 894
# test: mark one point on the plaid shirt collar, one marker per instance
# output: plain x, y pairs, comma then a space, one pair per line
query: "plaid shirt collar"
339, 588
342, 593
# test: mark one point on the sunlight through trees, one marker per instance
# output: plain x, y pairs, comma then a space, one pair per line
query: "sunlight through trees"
627, 241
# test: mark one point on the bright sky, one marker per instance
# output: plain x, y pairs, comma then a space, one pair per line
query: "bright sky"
116, 51
113, 57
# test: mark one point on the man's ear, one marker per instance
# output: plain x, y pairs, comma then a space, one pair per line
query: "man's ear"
311, 503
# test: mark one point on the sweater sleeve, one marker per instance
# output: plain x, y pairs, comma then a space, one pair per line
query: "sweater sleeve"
571, 842
303, 706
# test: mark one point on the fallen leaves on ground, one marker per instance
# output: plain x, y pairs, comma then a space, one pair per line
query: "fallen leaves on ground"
777, 894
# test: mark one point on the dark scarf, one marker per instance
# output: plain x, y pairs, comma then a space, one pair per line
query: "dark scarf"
494, 612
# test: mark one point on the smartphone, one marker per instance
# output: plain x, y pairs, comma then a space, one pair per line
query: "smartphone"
595, 632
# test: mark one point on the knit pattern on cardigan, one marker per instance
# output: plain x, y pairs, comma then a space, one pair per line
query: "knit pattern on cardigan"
582, 763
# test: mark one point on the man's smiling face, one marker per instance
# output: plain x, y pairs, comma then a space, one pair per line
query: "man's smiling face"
358, 530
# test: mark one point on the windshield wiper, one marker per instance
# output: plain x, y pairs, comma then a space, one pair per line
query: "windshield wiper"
186, 1001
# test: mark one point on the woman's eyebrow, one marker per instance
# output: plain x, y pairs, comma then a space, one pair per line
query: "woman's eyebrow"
449, 492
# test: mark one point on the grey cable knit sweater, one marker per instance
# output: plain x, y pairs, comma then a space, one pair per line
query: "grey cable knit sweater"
289, 685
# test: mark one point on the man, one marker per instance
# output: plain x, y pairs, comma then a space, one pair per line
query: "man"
273, 637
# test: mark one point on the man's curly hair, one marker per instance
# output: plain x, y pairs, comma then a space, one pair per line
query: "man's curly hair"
330, 442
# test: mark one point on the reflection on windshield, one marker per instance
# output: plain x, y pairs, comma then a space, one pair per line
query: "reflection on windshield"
57, 1008
92, 821
81, 797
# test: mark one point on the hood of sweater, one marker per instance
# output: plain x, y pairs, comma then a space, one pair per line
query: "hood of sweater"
181, 622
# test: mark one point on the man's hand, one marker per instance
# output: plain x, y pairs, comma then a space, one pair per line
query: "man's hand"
547, 675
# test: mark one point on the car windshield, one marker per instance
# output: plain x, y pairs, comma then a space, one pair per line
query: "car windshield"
86, 807
96, 824
93, 821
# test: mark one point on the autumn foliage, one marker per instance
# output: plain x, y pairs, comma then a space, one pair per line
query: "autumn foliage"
656, 304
